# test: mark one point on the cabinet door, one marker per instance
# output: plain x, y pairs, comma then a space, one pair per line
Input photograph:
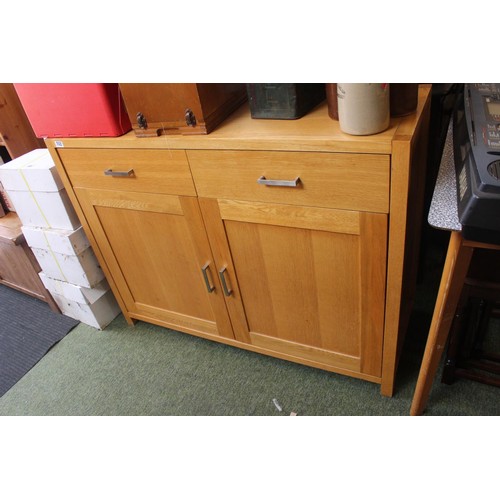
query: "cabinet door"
305, 282
156, 249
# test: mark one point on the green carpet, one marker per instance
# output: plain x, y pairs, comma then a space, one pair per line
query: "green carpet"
148, 370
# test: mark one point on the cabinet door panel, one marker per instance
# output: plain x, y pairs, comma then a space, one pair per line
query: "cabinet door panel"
298, 284
155, 247
312, 293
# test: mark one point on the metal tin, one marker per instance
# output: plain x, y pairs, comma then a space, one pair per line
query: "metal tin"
284, 101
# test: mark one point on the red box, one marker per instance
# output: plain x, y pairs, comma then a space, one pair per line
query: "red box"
74, 109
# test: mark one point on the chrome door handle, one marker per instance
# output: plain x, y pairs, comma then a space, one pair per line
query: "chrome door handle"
118, 173
278, 182
204, 269
227, 291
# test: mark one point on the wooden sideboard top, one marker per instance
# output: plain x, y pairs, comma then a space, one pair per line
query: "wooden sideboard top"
314, 132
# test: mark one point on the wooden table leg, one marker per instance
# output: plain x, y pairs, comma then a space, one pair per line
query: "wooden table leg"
455, 270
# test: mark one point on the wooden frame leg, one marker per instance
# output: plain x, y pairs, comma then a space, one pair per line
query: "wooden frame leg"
455, 270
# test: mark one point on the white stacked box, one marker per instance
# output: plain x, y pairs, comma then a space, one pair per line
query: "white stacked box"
37, 192
96, 306
70, 270
64, 255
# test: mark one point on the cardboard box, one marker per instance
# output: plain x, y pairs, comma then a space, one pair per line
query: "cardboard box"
81, 269
50, 210
32, 171
67, 242
64, 255
36, 191
95, 307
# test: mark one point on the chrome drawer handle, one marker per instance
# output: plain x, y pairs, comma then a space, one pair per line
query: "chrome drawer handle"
227, 291
210, 287
271, 182
118, 173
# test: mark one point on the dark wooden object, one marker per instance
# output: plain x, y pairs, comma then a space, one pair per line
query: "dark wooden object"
404, 98
331, 98
16, 133
18, 266
469, 354
180, 108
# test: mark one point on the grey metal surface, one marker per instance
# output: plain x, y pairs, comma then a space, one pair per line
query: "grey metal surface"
443, 212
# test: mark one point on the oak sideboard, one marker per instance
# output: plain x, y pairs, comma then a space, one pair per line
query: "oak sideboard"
285, 237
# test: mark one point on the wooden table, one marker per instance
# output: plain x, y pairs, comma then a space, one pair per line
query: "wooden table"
443, 214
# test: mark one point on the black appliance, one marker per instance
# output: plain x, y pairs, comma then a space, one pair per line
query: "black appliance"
476, 144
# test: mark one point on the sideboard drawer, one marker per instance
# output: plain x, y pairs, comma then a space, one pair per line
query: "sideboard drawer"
140, 170
333, 180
